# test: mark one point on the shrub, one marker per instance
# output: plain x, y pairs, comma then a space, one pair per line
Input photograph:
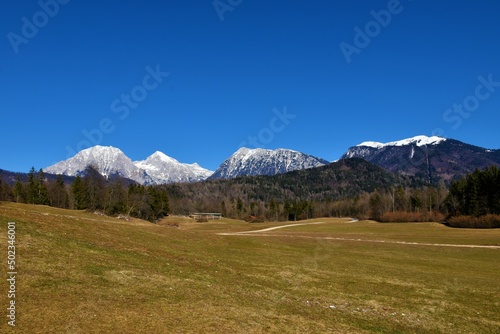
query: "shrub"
486, 221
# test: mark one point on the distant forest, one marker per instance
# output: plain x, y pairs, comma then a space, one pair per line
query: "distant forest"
347, 188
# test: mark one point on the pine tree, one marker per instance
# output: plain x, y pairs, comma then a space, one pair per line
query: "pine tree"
376, 206
79, 194
94, 186
32, 187
476, 194
239, 207
42, 196
159, 202
19, 193
61, 194
471, 195
223, 209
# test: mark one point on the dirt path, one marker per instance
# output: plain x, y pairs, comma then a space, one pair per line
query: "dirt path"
259, 233
269, 229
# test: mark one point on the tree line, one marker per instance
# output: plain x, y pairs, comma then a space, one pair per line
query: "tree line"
242, 201
352, 188
474, 200
91, 191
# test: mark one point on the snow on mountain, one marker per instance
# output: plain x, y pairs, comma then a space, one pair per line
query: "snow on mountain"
108, 160
430, 158
369, 147
417, 140
164, 169
260, 161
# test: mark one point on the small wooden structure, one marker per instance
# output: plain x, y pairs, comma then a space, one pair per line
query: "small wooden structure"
206, 216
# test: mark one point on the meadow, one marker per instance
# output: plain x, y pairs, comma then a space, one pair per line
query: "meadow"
80, 272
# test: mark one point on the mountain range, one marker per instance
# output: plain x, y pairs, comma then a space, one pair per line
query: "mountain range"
431, 159
158, 168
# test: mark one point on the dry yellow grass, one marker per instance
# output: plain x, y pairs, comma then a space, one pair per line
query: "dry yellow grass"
83, 273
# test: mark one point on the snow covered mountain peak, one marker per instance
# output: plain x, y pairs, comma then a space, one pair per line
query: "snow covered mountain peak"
108, 160
261, 161
417, 140
164, 169
160, 156
106, 152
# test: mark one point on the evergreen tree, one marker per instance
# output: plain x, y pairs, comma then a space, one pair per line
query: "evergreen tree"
19, 192
223, 209
376, 206
79, 194
158, 203
32, 187
42, 196
239, 207
61, 193
95, 185
476, 194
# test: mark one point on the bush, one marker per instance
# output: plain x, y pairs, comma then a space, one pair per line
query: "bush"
253, 219
404, 216
486, 221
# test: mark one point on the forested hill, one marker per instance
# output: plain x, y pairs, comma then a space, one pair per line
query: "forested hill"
297, 194
11, 177
342, 179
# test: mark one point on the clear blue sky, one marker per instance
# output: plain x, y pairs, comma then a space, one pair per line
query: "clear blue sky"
88, 63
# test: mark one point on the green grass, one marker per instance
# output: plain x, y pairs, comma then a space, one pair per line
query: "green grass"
83, 273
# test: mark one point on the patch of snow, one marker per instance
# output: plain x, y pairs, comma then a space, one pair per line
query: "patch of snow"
373, 144
418, 140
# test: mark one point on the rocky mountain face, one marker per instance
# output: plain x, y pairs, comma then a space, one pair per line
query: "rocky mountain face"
110, 161
164, 169
430, 158
161, 169
251, 162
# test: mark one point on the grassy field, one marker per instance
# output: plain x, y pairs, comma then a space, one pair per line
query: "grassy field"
79, 272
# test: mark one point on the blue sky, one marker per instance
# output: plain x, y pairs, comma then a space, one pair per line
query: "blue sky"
197, 79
